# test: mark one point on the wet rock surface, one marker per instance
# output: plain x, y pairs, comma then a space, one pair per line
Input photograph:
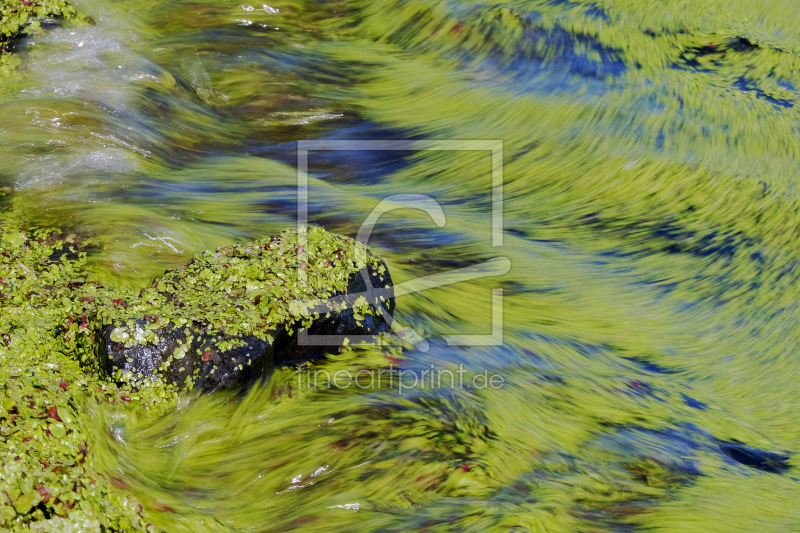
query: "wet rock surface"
184, 355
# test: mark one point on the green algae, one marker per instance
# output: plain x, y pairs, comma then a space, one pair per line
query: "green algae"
651, 159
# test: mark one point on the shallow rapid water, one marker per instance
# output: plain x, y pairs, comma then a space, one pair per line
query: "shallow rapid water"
650, 218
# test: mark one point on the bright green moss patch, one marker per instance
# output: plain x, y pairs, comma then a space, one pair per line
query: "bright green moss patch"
49, 402
245, 289
243, 296
49, 471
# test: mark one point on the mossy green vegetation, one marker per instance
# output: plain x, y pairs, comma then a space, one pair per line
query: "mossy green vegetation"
49, 399
249, 288
651, 219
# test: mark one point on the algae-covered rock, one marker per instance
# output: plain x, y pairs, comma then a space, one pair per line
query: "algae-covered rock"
229, 315
221, 320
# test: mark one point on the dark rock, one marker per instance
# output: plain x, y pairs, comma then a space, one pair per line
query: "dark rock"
286, 350
201, 363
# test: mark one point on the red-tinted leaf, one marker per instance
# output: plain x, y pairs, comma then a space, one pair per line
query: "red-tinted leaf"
45, 494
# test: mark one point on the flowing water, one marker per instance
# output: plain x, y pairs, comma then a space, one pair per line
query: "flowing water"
650, 217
